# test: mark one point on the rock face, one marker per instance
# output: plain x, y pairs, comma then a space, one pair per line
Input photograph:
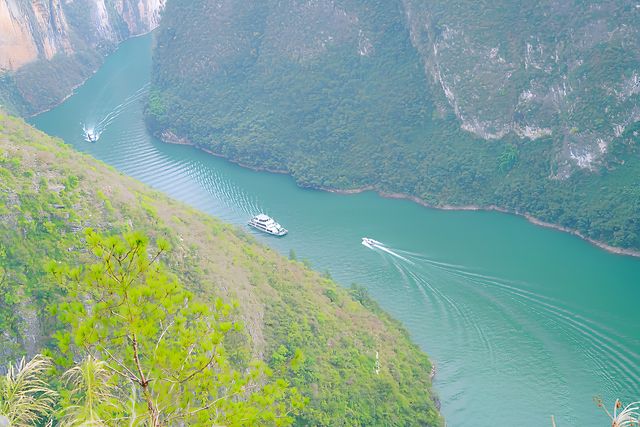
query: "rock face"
550, 67
530, 106
31, 30
38, 29
563, 69
36, 33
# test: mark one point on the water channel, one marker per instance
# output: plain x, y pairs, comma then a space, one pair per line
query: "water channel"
522, 322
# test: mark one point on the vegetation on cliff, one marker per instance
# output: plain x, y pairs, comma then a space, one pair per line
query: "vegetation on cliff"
49, 48
168, 358
311, 333
341, 95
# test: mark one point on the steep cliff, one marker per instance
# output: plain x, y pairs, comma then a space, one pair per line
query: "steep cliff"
554, 67
48, 47
40, 31
530, 107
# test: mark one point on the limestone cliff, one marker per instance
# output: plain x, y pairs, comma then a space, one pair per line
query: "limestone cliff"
551, 67
529, 106
30, 31
65, 36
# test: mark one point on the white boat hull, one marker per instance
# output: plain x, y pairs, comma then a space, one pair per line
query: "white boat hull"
280, 233
267, 225
370, 243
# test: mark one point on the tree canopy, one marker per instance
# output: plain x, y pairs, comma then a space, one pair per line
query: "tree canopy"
164, 352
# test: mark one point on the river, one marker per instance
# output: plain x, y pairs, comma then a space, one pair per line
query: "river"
523, 322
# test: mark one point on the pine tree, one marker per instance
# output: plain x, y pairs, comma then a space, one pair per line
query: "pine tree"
128, 310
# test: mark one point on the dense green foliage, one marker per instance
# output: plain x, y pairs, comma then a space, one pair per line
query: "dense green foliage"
309, 331
41, 85
282, 86
159, 340
91, 393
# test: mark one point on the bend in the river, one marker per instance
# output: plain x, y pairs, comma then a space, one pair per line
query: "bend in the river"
522, 321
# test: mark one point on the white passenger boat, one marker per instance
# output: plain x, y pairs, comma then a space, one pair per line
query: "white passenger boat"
267, 225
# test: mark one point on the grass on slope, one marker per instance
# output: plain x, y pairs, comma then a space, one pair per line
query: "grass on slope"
49, 194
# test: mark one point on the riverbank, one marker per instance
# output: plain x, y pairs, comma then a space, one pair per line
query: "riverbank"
527, 216
83, 80
170, 138
69, 95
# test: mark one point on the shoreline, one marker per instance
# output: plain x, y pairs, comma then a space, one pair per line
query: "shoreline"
91, 74
492, 208
71, 93
170, 138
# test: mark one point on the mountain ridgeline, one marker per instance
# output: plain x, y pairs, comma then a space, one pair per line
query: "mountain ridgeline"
530, 107
354, 364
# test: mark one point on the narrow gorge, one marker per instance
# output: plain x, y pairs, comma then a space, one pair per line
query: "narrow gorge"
47, 48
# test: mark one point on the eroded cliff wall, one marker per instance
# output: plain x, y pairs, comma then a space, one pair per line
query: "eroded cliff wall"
48, 47
557, 68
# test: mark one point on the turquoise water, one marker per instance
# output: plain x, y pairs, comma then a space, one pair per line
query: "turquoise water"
522, 322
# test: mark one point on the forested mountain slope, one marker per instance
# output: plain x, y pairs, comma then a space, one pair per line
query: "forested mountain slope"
567, 69
49, 194
528, 107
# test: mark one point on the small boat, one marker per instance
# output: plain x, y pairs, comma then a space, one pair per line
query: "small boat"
90, 134
268, 225
370, 243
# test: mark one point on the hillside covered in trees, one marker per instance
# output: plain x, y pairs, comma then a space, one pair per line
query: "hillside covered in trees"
313, 337
531, 108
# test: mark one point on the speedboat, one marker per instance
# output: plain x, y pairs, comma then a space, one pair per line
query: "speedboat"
268, 225
90, 134
370, 243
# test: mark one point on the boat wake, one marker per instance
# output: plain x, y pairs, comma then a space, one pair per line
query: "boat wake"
230, 193
370, 243
374, 244
90, 134
454, 291
92, 129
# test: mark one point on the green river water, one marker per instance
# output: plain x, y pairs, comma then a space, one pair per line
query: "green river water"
521, 321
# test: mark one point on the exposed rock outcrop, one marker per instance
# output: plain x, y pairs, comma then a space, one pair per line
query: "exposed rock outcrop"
550, 67
37, 29
63, 34
31, 30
